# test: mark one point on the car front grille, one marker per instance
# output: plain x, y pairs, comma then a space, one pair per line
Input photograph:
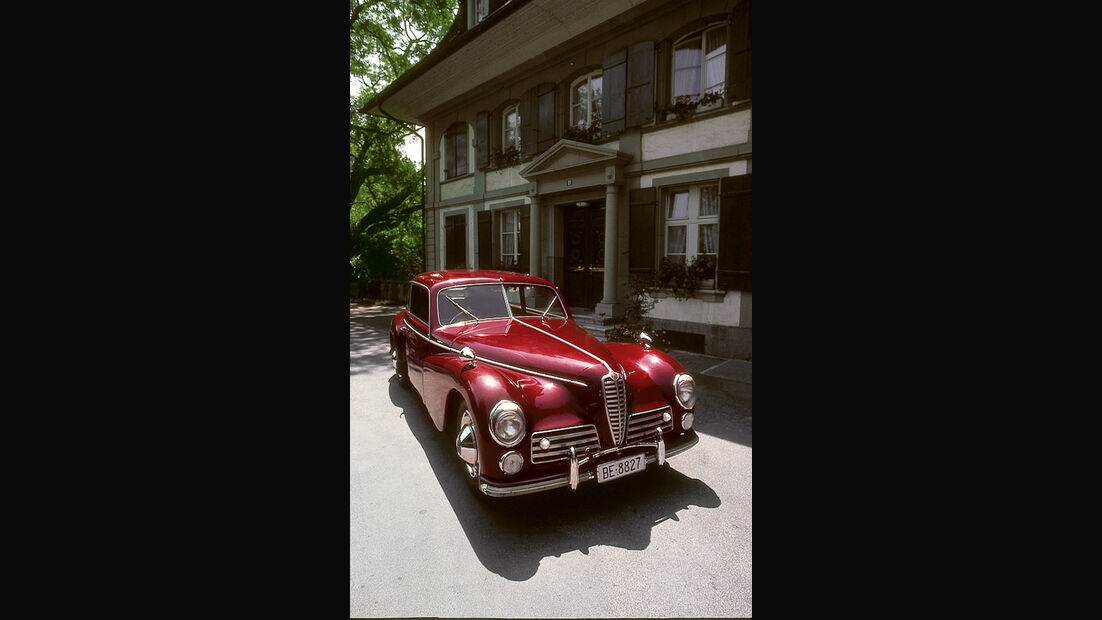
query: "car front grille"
562, 439
641, 425
616, 405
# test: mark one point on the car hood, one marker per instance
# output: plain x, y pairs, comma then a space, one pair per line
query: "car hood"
552, 346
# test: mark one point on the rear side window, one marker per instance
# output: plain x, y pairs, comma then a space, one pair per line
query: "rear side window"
419, 303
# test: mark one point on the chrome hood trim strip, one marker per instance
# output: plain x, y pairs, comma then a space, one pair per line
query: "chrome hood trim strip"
567, 342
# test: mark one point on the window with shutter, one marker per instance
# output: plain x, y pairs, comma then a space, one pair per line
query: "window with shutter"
510, 128
585, 100
692, 224
510, 239
700, 67
455, 151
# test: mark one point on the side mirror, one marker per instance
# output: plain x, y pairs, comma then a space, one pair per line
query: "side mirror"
467, 355
644, 340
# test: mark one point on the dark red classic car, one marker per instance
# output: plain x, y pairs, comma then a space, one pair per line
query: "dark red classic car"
533, 401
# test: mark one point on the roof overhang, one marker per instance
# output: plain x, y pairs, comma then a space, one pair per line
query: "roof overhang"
510, 36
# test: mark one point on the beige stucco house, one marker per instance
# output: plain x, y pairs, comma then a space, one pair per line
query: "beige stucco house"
554, 146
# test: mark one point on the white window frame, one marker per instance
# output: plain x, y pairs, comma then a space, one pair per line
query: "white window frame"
702, 37
515, 256
589, 103
692, 221
477, 10
513, 109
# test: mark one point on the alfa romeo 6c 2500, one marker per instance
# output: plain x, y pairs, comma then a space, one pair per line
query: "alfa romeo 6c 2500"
533, 401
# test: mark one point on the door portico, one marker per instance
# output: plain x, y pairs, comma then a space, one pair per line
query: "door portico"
566, 175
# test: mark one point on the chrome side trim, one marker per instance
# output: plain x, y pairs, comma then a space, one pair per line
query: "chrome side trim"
564, 481
495, 362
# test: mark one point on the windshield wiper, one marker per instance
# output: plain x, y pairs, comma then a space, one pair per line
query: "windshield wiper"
462, 308
549, 307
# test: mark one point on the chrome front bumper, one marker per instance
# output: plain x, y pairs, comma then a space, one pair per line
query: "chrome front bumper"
574, 477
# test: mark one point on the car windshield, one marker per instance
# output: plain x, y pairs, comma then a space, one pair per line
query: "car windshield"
526, 300
471, 303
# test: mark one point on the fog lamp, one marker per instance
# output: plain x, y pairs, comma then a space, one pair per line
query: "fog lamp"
687, 420
511, 462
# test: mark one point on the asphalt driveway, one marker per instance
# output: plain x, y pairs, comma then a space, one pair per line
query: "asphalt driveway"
667, 542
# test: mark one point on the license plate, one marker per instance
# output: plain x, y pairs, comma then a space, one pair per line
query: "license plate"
621, 468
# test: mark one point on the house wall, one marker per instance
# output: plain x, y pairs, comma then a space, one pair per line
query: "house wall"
712, 145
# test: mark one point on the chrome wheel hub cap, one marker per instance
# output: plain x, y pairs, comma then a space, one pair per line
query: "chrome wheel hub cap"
465, 445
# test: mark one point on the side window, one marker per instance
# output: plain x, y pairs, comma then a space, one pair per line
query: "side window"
419, 303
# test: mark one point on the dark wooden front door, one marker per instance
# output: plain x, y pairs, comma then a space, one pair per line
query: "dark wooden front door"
455, 241
584, 245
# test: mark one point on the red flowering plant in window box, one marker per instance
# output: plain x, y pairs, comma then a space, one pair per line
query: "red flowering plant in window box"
684, 280
509, 157
684, 106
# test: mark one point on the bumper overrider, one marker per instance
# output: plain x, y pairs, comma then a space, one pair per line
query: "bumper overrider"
656, 452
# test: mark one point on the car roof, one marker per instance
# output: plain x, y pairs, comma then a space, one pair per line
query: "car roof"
431, 279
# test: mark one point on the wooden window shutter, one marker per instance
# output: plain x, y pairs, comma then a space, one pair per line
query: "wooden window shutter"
545, 101
525, 233
485, 238
482, 140
739, 74
613, 92
640, 85
641, 245
528, 123
736, 233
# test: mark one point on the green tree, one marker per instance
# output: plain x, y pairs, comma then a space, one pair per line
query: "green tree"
385, 197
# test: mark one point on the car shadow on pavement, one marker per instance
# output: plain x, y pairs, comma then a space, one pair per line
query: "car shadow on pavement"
511, 536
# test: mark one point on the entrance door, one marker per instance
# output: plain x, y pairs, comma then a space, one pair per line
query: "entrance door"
455, 241
584, 246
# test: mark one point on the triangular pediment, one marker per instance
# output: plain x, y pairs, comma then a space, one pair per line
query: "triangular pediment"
571, 155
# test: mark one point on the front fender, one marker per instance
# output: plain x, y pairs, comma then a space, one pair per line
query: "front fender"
546, 403
650, 374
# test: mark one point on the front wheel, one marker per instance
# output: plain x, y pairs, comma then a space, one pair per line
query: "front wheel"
466, 446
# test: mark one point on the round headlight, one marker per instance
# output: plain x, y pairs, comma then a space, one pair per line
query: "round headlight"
507, 423
685, 389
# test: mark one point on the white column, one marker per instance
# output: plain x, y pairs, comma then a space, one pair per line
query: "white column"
535, 258
610, 306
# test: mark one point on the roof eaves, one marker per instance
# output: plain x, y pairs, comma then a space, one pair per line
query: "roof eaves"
456, 37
